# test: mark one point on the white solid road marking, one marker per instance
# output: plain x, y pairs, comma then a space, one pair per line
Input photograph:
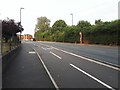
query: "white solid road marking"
55, 55
51, 78
92, 77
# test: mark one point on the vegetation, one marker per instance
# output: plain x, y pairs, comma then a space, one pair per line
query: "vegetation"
101, 33
42, 24
10, 28
9, 35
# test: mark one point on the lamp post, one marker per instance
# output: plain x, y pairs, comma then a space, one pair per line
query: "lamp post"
72, 18
20, 24
20, 14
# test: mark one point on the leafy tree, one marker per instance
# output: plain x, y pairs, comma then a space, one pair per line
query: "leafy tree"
42, 24
103, 33
59, 25
97, 22
82, 24
71, 34
10, 28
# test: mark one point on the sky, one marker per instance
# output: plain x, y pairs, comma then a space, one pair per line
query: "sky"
90, 10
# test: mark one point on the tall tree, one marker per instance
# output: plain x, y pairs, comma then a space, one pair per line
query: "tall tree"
42, 24
10, 28
97, 22
59, 25
83, 24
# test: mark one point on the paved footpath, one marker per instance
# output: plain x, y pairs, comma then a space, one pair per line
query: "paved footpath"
26, 71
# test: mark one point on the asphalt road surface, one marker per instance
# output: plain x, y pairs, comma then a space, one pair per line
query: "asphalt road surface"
61, 65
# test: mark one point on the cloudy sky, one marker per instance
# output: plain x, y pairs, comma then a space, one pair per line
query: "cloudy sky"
89, 10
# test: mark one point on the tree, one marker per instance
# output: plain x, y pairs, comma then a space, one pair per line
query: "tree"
83, 24
97, 22
59, 25
10, 28
42, 24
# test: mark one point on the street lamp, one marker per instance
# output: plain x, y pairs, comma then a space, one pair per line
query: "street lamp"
20, 14
20, 24
72, 18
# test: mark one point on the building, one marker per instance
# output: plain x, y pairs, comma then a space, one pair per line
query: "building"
26, 37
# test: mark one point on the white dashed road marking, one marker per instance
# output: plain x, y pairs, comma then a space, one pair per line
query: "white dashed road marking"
55, 55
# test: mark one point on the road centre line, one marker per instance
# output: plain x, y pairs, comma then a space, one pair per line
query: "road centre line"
37, 45
45, 45
88, 59
55, 55
50, 76
55, 48
99, 81
43, 48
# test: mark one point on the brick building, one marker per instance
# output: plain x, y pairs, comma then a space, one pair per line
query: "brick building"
26, 37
